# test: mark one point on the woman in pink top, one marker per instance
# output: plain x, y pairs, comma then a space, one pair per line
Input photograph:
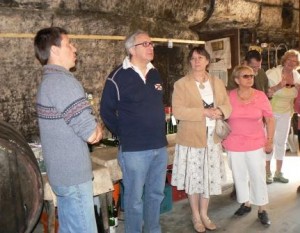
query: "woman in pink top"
248, 142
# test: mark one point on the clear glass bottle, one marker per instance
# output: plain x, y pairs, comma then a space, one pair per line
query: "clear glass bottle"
173, 123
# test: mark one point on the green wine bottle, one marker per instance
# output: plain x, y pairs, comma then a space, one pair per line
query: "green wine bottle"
111, 220
110, 142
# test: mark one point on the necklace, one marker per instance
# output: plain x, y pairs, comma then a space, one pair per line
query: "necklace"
201, 85
245, 98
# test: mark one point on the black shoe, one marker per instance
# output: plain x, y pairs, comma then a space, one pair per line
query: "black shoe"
233, 194
263, 218
242, 210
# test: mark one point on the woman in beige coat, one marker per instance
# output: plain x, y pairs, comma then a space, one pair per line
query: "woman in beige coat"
198, 100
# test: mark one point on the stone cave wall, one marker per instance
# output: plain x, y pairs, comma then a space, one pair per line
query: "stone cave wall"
20, 72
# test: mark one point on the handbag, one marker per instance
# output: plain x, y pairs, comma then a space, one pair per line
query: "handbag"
222, 128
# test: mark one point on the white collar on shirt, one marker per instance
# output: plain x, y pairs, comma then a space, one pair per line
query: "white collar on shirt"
127, 64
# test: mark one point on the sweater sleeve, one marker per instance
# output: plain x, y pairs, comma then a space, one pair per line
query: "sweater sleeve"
68, 98
108, 106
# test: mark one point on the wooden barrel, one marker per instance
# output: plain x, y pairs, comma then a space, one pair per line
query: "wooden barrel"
21, 189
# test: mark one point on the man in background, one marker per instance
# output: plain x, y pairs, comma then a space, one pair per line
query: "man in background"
253, 59
132, 108
66, 125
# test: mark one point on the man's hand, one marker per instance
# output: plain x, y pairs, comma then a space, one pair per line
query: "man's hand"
96, 136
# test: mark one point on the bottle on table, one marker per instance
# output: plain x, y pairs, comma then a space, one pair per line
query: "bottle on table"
171, 123
115, 213
168, 120
110, 141
111, 220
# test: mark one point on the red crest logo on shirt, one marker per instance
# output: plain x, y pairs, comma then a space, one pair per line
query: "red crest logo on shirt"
158, 87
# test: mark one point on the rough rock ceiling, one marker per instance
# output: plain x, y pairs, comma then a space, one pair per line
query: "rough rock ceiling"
272, 20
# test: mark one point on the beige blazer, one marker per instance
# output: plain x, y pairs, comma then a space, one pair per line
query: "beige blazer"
188, 108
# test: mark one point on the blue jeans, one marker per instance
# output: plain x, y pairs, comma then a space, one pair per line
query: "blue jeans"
76, 208
144, 176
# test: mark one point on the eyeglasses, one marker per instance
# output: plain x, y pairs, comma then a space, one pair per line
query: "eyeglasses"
145, 44
289, 85
247, 76
292, 60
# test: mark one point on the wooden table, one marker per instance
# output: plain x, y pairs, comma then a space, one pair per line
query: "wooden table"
102, 184
108, 157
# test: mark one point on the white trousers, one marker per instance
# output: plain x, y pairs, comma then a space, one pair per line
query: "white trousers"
249, 175
282, 127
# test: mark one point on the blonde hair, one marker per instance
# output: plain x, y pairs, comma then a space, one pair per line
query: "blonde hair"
238, 69
290, 53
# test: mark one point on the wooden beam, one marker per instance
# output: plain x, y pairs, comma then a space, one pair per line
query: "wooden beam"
16, 35
179, 41
96, 37
102, 37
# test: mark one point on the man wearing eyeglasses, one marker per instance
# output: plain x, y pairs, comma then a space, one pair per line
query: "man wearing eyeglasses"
132, 108
253, 59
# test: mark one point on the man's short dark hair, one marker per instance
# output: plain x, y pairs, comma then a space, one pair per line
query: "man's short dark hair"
252, 54
43, 41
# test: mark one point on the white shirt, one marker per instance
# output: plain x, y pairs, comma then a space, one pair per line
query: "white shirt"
208, 96
127, 64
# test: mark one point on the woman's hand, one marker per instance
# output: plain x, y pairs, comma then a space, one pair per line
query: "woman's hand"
268, 147
213, 113
270, 92
282, 83
218, 114
275, 88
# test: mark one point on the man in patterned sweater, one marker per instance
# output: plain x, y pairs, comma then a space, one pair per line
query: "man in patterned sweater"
66, 125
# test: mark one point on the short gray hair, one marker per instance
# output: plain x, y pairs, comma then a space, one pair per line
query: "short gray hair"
130, 40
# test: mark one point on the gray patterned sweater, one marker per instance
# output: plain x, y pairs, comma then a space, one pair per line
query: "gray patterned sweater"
65, 124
